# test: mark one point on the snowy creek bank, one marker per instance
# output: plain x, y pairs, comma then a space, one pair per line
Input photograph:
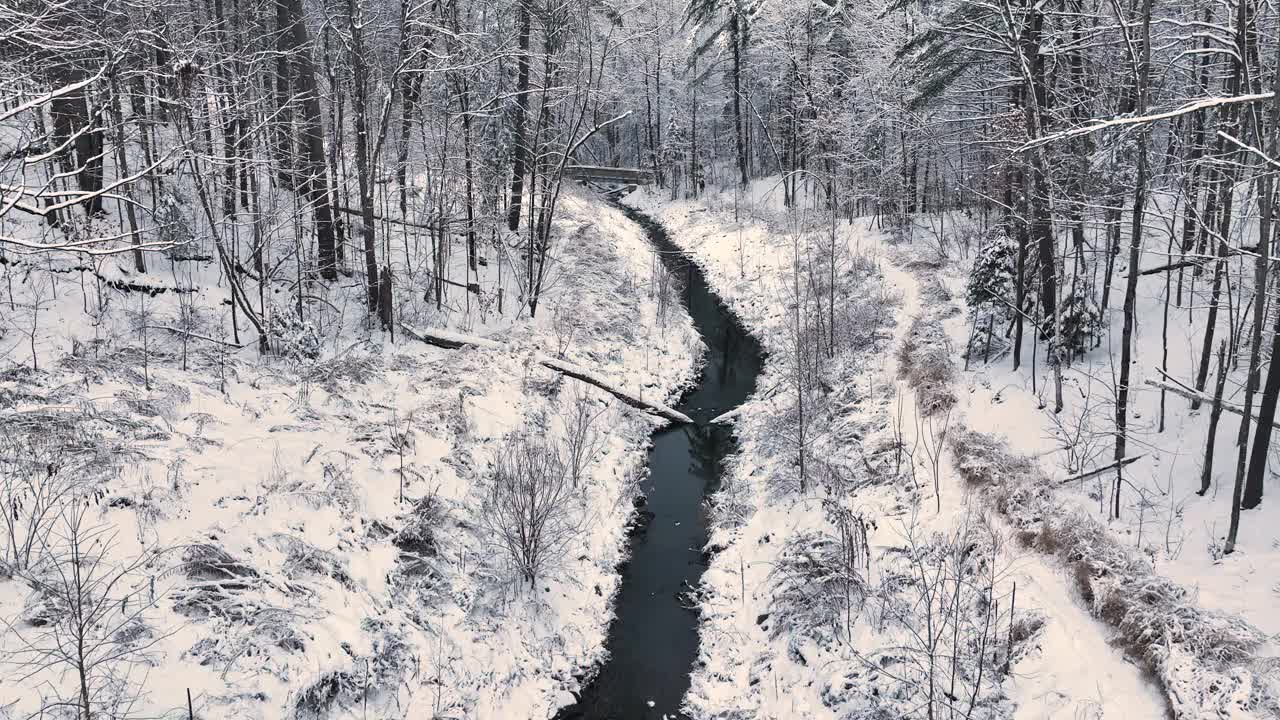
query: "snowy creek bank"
653, 641
311, 536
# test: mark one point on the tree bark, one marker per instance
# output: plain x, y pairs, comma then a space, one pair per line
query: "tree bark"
315, 184
71, 115
1141, 68
520, 150
364, 158
735, 39
1251, 493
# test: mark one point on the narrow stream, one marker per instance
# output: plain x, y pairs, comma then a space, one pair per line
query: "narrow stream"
653, 641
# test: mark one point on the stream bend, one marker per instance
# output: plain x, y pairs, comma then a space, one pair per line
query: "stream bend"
653, 640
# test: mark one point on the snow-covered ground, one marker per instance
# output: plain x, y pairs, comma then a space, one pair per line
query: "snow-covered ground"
308, 536
883, 451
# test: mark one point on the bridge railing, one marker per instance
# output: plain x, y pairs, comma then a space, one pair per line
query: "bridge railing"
635, 176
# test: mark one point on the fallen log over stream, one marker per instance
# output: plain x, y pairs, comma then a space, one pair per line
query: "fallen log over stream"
453, 341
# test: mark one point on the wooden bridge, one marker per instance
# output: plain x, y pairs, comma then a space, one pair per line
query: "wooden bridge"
609, 175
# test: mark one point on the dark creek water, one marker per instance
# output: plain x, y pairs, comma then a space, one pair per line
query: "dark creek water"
653, 641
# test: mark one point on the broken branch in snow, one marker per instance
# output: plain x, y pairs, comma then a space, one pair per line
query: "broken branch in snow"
1109, 466
196, 336
453, 341
1193, 395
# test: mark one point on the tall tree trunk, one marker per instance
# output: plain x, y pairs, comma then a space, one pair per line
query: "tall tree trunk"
736, 32
411, 88
337, 149
71, 114
1226, 180
462, 91
122, 161
1020, 271
693, 133
520, 150
1141, 70
1251, 493
364, 158
1040, 220
316, 182
282, 139
1195, 150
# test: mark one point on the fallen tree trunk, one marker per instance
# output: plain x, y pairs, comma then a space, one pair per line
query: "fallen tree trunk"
1192, 262
726, 417
1193, 396
453, 341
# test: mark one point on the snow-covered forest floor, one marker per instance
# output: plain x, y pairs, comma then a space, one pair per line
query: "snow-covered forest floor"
924, 563
313, 530
1163, 516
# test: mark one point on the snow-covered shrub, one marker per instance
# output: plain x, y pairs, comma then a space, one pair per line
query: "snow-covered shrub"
206, 561
314, 700
731, 505
42, 609
565, 321
217, 580
162, 401
670, 290
990, 293
303, 558
925, 360
820, 583
291, 337
351, 368
459, 421
370, 679
391, 656
334, 488
983, 459
935, 295
966, 232
1081, 433
173, 224
864, 324
49, 461
86, 621
1081, 324
899, 229
416, 539
991, 279
120, 364
1016, 486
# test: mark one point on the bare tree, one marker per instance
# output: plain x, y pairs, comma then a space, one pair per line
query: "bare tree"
92, 621
583, 440
527, 508
36, 481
